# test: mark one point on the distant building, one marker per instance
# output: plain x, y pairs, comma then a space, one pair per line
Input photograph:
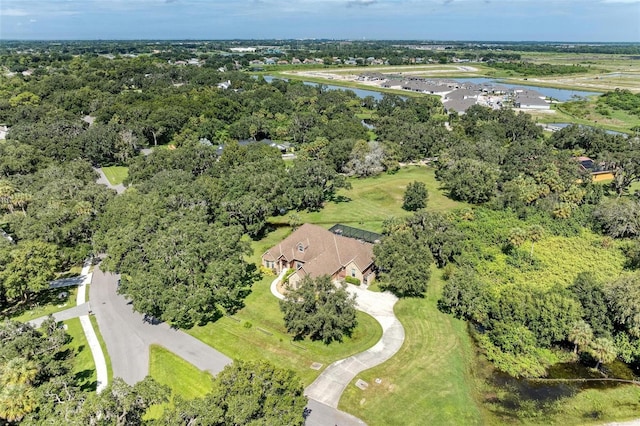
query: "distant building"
529, 99
598, 172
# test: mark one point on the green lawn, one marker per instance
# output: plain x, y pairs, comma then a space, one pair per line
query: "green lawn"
116, 174
44, 303
429, 381
94, 324
183, 378
83, 367
257, 332
370, 201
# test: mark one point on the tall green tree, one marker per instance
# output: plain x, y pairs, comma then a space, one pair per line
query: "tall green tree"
404, 264
623, 296
415, 196
319, 309
28, 268
603, 350
580, 335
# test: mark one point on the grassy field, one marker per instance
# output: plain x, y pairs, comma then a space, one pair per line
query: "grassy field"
370, 201
116, 174
257, 332
430, 381
44, 303
183, 378
83, 367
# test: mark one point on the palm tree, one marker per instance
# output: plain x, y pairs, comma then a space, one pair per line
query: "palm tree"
18, 371
21, 199
603, 350
6, 194
517, 237
580, 335
16, 401
535, 234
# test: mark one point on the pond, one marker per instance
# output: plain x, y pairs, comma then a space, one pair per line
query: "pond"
550, 92
563, 125
563, 381
361, 93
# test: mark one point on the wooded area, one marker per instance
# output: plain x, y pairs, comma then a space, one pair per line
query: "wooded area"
543, 262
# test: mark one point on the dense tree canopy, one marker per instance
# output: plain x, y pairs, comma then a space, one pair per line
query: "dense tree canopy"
319, 309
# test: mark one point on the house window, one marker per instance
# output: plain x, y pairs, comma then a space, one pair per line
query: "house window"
298, 265
353, 272
301, 248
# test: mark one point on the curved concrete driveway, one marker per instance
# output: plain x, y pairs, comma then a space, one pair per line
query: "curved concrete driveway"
328, 387
128, 337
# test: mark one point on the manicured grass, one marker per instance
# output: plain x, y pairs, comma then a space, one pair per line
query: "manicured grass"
107, 358
44, 303
429, 381
370, 201
257, 332
182, 378
116, 174
84, 367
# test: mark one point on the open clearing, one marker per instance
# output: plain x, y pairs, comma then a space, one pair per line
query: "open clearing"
116, 174
371, 201
429, 381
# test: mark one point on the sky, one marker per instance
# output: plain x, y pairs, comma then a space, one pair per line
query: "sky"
488, 20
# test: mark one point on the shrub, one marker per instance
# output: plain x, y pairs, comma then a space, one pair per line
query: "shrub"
352, 280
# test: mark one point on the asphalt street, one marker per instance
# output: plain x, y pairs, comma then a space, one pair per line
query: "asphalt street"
128, 337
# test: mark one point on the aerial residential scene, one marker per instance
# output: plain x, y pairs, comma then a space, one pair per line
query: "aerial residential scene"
319, 212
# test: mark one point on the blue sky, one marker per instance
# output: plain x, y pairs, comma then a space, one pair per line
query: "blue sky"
508, 20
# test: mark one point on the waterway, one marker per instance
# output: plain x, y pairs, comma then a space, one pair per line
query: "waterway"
361, 93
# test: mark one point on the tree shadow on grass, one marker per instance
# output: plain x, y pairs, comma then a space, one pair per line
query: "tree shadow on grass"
41, 299
83, 379
340, 199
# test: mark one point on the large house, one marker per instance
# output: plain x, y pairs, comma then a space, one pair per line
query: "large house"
314, 251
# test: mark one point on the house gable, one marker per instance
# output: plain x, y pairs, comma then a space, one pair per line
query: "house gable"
315, 251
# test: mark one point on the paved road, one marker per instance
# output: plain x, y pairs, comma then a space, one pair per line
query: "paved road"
67, 282
67, 314
104, 181
127, 336
323, 415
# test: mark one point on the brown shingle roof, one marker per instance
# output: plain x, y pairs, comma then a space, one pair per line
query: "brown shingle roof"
321, 251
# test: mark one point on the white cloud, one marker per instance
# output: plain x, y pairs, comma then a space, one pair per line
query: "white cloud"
13, 12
